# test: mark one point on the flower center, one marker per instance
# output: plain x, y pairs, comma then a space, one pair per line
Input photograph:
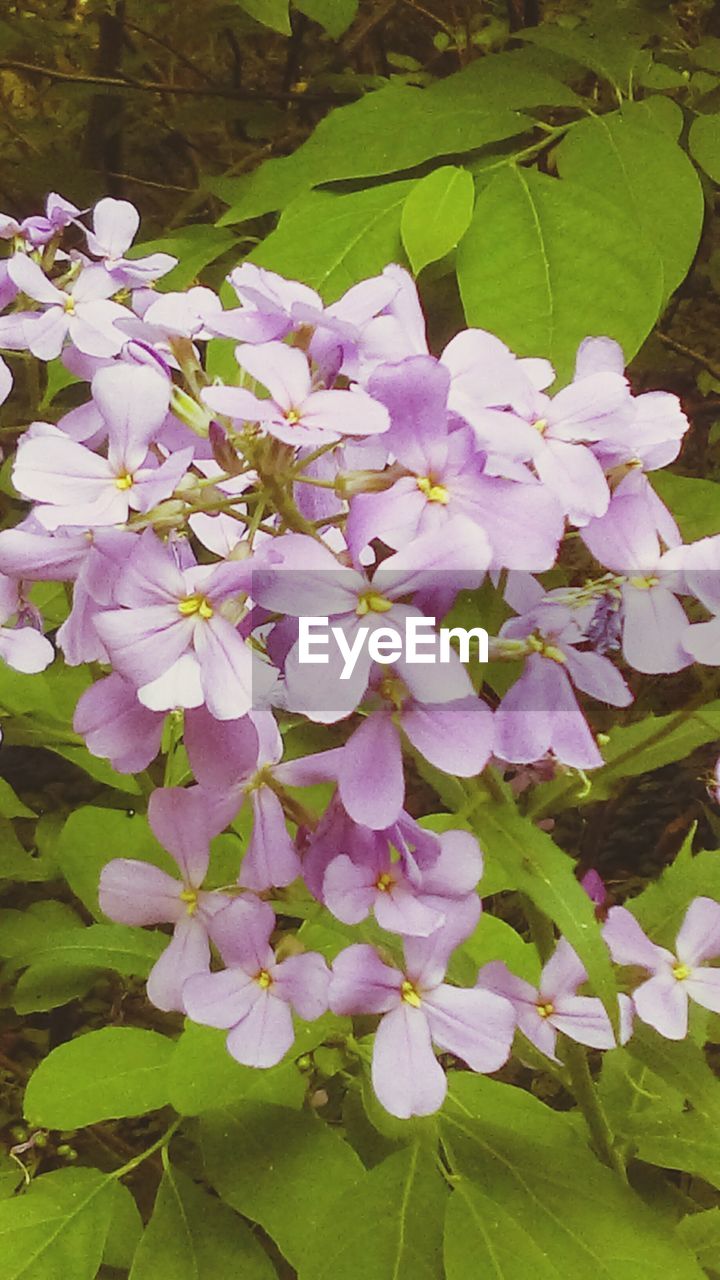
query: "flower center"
681, 971
125, 481
393, 691
545, 1010
385, 882
372, 602
643, 584
195, 604
263, 979
540, 425
69, 304
538, 645
433, 492
190, 898
409, 994
292, 417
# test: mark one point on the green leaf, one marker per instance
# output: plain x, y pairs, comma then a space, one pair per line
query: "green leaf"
656, 112
695, 503
662, 905
93, 836
98, 769
545, 262
607, 51
684, 1142
363, 140
701, 1233
279, 1167
360, 235
632, 750
436, 215
195, 247
126, 1228
43, 986
24, 932
57, 1228
202, 1076
704, 144
334, 15
193, 1236
103, 946
511, 81
388, 1225
16, 863
532, 1164
481, 1233
11, 806
536, 866
118, 1071
650, 178
493, 939
679, 1064
270, 13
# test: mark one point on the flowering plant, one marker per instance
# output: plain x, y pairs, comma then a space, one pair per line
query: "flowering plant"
319, 840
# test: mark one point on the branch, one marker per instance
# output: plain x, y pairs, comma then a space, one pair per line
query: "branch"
153, 86
705, 362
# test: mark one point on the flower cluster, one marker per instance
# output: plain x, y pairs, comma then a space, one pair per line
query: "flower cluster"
336, 468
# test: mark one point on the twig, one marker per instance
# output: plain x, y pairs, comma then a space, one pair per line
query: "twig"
163, 44
156, 86
697, 356
145, 182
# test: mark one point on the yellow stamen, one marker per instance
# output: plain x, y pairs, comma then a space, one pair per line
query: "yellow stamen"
190, 898
69, 305
372, 602
536, 644
643, 584
409, 994
384, 882
681, 971
545, 1010
125, 481
541, 425
292, 417
393, 690
433, 492
263, 979
195, 604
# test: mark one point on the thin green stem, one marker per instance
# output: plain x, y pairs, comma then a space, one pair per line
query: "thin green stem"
160, 1145
586, 1096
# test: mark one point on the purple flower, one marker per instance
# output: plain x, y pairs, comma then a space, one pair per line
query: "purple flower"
404, 898
171, 638
38, 230
295, 412
116, 726
22, 647
301, 577
83, 312
138, 893
677, 978
420, 1010
540, 712
78, 487
654, 623
449, 479
115, 223
554, 1004
254, 996
6, 381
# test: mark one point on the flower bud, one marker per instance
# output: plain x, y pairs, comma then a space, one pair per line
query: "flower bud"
194, 415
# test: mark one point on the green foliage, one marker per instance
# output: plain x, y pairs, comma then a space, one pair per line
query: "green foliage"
117, 1071
695, 503
527, 268
555, 1199
390, 1223
436, 215
361, 234
193, 1236
93, 836
334, 15
58, 1227
649, 177
537, 867
279, 1167
704, 143
202, 1076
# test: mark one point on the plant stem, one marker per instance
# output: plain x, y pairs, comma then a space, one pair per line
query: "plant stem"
161, 1143
586, 1096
